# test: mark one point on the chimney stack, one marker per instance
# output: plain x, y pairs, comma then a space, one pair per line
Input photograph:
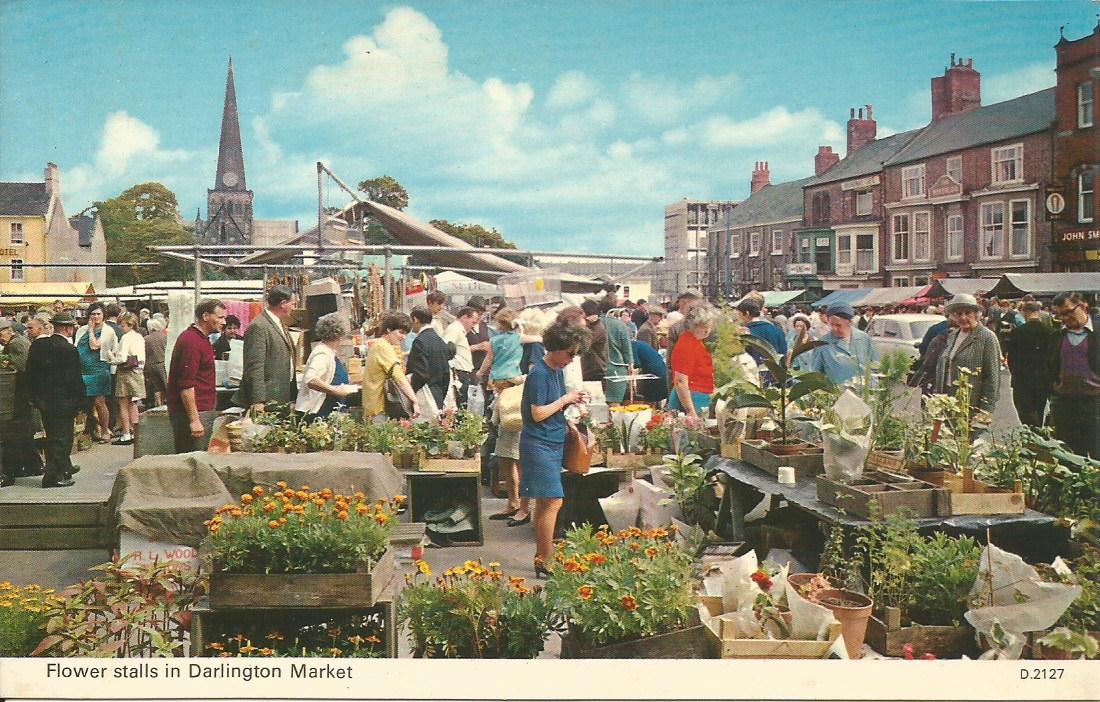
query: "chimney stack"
958, 90
760, 176
825, 159
861, 128
52, 177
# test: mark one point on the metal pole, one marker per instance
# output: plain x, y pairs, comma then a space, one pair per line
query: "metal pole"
320, 209
198, 277
386, 280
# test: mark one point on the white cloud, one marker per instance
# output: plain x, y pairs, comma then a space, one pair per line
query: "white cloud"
571, 89
1022, 81
769, 128
662, 101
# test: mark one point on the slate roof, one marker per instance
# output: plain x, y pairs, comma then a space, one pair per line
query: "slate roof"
24, 199
85, 228
866, 160
1020, 116
772, 203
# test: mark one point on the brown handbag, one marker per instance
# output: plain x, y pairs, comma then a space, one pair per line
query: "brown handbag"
578, 454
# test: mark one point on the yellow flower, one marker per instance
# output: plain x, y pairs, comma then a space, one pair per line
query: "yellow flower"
217, 646
257, 491
424, 568
399, 499
381, 518
248, 649
274, 524
281, 485
5, 585
5, 603
342, 515
361, 509
266, 652
494, 564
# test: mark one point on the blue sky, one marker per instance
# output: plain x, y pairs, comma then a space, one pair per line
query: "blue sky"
566, 125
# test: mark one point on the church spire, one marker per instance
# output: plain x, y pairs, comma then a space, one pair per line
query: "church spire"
230, 174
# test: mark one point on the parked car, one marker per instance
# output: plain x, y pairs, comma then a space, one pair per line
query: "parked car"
893, 332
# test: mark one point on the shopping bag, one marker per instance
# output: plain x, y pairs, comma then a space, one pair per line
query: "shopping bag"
475, 400
429, 411
508, 405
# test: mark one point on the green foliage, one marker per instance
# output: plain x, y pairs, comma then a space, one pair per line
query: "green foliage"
726, 347
893, 368
688, 479
24, 612
1083, 613
385, 190
141, 216
474, 612
1077, 644
613, 587
298, 531
474, 234
928, 578
125, 612
956, 421
301, 634
788, 385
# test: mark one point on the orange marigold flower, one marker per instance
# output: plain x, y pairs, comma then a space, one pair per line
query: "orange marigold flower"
624, 534
373, 639
635, 531
281, 485
651, 552
572, 566
217, 646
361, 509
246, 499
381, 518
302, 495
601, 535
629, 603
635, 546
274, 524
326, 493
225, 654
214, 528
342, 515
397, 499
282, 520
585, 592
359, 495
266, 652
269, 507
305, 488
257, 490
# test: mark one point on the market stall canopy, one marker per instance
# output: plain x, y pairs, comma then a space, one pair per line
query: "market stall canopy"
230, 289
409, 231
852, 296
1045, 284
775, 298
950, 287
45, 293
884, 297
453, 283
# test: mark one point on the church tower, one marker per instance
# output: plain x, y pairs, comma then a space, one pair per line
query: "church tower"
229, 203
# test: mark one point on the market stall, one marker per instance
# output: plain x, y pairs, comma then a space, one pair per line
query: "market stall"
1013, 285
852, 297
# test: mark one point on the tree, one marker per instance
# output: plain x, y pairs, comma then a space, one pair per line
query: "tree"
387, 191
478, 236
144, 215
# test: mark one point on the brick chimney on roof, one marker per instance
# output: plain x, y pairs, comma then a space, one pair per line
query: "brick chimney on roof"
861, 128
52, 177
958, 90
761, 176
825, 159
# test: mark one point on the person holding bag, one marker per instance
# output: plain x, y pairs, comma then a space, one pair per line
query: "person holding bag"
95, 342
542, 441
428, 364
325, 379
383, 365
129, 356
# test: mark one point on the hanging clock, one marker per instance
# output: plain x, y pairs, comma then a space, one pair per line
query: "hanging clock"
229, 179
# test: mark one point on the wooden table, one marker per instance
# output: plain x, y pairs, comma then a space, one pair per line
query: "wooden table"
1033, 535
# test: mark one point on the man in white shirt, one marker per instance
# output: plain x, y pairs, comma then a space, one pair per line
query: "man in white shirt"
441, 318
463, 362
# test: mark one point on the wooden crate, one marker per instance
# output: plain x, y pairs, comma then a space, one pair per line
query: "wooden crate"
888, 636
889, 461
725, 643
689, 642
632, 460
970, 496
878, 494
806, 463
252, 590
451, 465
730, 450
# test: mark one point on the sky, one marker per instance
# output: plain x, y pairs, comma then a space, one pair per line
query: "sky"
566, 125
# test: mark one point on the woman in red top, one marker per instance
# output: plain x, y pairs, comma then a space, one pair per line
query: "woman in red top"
691, 364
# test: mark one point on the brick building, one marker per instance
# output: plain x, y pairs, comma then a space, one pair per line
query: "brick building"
1072, 198
963, 196
686, 224
750, 247
837, 244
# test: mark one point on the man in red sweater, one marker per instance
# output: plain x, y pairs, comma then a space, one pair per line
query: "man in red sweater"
191, 376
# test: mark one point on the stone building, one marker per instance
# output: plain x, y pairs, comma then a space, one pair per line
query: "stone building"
229, 215
686, 224
34, 229
1072, 200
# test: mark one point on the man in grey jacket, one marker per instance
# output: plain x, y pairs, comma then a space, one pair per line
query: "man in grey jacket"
970, 345
268, 375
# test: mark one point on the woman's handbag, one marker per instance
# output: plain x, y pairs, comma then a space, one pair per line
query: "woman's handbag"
131, 362
508, 404
578, 451
397, 405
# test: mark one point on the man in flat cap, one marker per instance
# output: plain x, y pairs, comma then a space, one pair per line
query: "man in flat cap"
57, 390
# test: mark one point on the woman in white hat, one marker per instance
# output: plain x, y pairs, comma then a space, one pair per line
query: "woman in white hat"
970, 345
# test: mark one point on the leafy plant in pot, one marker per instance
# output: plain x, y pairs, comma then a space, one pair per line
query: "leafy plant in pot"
788, 386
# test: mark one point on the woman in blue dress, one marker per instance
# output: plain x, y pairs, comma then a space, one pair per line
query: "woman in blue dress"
95, 342
542, 442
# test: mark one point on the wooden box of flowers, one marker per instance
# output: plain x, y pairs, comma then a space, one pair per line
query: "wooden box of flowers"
637, 438
300, 548
625, 595
450, 444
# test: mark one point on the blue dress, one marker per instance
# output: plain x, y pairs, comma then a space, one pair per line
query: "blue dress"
96, 371
340, 377
542, 444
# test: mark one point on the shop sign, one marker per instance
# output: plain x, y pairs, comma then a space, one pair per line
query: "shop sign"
1077, 236
822, 241
144, 552
1055, 201
801, 269
9, 252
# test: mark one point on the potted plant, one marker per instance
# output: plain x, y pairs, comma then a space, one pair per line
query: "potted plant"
787, 386
625, 595
888, 439
298, 548
24, 612
687, 478
473, 611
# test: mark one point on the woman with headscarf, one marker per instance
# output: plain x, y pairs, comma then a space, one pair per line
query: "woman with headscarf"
325, 381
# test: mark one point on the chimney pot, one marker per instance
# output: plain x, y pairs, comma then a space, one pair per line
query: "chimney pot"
852, 113
952, 58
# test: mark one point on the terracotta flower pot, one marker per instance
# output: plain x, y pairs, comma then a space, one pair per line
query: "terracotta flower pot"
788, 448
852, 610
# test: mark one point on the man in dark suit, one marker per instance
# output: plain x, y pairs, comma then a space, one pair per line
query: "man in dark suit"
268, 375
1028, 352
19, 455
428, 362
57, 390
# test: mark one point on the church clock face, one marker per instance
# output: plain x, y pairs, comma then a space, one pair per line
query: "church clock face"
229, 179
